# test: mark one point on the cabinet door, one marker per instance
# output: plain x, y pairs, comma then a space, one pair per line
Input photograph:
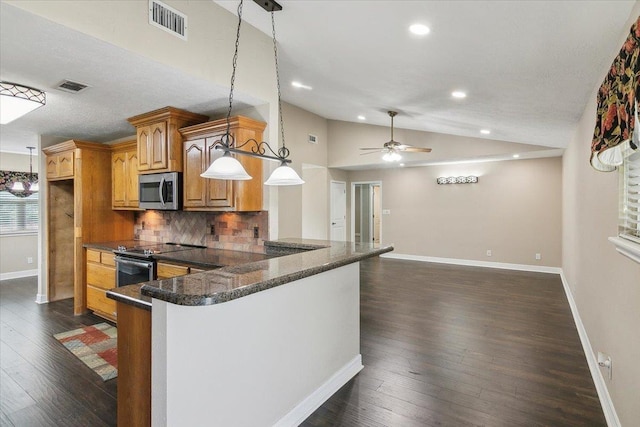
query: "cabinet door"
52, 167
65, 165
159, 150
194, 164
219, 192
119, 179
132, 190
144, 147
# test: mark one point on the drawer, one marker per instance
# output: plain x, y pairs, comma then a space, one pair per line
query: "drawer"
166, 271
108, 258
97, 301
101, 276
93, 256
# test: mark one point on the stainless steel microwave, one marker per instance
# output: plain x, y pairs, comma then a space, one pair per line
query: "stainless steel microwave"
162, 191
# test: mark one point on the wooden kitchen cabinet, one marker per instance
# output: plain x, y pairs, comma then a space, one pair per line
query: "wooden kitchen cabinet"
159, 142
124, 171
167, 271
60, 165
101, 276
202, 194
79, 211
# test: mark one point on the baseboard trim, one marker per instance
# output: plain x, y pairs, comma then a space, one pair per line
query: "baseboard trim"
474, 263
312, 402
41, 299
603, 393
18, 274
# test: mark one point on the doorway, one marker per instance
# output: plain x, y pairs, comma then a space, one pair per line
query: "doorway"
366, 212
338, 211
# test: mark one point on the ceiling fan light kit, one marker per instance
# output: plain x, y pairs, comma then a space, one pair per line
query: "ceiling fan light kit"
392, 149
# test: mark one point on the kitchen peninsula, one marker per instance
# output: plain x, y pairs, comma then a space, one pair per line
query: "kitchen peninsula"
258, 343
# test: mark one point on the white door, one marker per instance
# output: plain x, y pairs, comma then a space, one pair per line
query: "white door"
377, 213
338, 211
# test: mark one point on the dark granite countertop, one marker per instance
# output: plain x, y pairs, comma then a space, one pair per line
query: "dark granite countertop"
209, 258
232, 282
112, 246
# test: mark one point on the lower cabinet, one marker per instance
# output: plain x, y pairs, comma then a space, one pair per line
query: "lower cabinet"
101, 276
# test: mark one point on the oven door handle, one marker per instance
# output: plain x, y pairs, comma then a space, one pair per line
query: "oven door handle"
141, 264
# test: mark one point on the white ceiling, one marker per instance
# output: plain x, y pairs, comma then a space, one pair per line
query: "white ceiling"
529, 68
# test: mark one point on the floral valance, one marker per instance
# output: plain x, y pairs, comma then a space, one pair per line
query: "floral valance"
7, 178
618, 98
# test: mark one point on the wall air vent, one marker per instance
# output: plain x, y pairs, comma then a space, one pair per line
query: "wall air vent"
71, 86
165, 17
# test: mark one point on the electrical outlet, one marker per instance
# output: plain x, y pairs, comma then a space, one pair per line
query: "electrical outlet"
212, 229
489, 253
538, 256
256, 232
143, 225
29, 260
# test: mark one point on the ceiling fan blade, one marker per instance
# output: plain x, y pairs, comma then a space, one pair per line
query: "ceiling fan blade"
371, 148
370, 152
417, 150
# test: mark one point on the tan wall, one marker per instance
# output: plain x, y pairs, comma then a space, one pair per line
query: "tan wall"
295, 217
605, 284
514, 210
16, 249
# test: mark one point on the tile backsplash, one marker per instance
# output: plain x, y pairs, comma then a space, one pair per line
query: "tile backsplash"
223, 230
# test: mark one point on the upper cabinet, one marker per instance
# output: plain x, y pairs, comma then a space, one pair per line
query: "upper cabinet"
60, 165
200, 142
159, 142
124, 175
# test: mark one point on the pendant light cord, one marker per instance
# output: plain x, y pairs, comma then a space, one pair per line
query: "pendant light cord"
282, 151
233, 75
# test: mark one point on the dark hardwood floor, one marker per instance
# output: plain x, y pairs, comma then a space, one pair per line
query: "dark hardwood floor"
442, 346
42, 383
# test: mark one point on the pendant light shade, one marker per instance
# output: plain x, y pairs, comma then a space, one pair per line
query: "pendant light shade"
284, 175
34, 187
226, 167
17, 187
17, 100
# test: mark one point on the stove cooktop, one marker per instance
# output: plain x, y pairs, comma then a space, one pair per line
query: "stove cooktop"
147, 251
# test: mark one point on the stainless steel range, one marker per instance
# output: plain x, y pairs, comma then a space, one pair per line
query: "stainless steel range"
136, 264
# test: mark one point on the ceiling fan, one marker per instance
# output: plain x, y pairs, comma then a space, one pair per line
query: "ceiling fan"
392, 149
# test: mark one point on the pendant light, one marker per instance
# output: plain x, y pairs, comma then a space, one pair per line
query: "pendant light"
228, 167
17, 100
18, 188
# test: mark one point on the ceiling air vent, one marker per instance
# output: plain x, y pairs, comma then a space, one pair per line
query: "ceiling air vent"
71, 86
165, 17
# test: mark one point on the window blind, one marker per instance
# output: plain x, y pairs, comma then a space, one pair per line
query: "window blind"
18, 214
630, 198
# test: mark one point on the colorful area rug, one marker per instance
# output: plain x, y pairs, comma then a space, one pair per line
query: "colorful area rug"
96, 346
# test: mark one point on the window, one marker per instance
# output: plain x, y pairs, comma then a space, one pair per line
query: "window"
629, 227
18, 214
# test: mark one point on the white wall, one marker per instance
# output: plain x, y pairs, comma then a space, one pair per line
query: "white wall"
605, 284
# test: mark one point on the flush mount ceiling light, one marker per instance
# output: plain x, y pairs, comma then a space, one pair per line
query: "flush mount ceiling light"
419, 29
26, 188
228, 167
17, 100
458, 94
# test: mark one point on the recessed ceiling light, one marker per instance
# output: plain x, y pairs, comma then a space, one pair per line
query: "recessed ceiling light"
300, 85
485, 131
419, 29
362, 117
401, 165
458, 94
515, 156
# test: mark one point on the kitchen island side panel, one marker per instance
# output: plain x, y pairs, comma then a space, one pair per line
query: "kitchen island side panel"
268, 358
